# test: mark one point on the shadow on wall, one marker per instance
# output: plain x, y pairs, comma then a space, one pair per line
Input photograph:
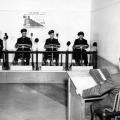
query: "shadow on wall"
103, 63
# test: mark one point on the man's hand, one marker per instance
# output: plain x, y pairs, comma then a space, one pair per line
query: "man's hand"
80, 46
23, 46
51, 46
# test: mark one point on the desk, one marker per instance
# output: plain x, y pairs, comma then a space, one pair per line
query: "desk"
78, 81
82, 80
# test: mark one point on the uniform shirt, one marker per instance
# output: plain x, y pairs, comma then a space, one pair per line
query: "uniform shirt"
1, 48
51, 41
1, 45
25, 40
80, 42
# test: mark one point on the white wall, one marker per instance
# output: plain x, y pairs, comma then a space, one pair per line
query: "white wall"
105, 28
67, 17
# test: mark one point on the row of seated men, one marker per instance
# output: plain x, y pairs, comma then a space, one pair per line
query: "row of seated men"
24, 43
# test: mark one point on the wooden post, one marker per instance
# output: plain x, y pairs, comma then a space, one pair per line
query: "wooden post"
32, 61
94, 59
37, 60
66, 63
6, 60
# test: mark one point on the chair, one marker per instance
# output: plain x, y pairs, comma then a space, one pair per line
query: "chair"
22, 60
74, 63
49, 59
107, 113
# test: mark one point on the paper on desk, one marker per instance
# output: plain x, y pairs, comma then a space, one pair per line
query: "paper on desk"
82, 83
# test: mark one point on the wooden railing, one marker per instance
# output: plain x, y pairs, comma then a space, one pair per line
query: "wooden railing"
67, 63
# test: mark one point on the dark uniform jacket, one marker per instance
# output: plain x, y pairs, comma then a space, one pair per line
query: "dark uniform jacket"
48, 42
1, 44
1, 47
80, 42
51, 41
77, 52
26, 41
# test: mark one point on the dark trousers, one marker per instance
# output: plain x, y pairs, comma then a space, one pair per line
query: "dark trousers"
51, 56
1, 54
80, 55
23, 56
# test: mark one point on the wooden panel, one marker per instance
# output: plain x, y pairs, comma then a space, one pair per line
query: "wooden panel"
77, 108
2, 76
18, 67
76, 104
37, 77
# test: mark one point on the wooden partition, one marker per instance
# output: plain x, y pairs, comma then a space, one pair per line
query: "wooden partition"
33, 77
76, 104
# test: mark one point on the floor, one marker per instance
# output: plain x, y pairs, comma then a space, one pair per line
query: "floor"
32, 102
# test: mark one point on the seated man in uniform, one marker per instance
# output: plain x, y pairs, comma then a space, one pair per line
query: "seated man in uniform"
23, 44
1, 48
79, 52
51, 44
107, 90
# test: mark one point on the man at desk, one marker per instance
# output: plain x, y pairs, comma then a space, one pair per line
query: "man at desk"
106, 90
79, 52
23, 44
51, 44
